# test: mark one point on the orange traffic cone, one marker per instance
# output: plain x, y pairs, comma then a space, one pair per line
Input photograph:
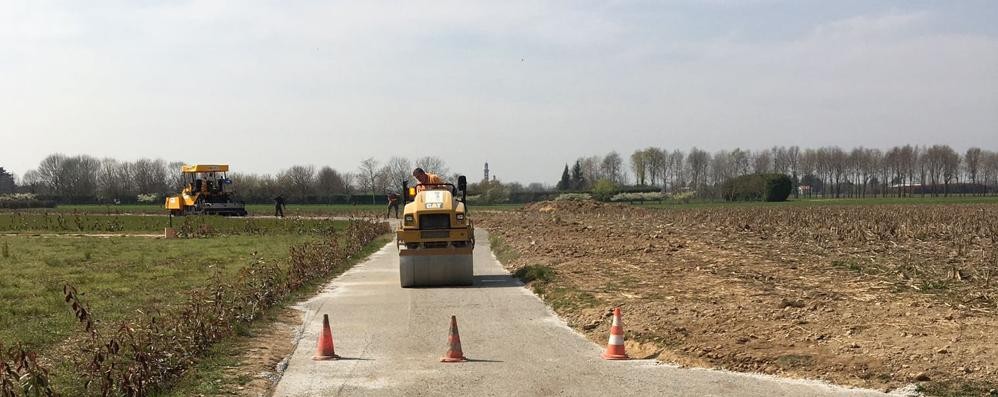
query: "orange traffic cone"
454, 353
615, 347
325, 350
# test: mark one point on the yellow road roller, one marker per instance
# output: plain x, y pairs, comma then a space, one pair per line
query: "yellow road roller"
436, 237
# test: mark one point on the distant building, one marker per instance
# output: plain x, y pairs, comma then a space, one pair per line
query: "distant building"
486, 171
803, 189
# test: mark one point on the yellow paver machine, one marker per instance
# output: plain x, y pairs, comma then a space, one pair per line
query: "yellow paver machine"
436, 237
205, 193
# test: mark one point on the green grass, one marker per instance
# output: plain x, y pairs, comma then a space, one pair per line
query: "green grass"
959, 389
116, 276
503, 252
531, 273
119, 276
794, 361
33, 222
253, 209
850, 265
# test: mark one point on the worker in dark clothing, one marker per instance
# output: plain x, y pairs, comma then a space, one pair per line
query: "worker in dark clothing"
393, 203
279, 205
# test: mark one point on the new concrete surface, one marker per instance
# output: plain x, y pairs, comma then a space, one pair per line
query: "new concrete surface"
391, 340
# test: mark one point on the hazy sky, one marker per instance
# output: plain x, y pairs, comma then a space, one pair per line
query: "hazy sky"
527, 85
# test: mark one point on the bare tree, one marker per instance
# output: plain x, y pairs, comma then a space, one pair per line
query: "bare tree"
433, 165
762, 162
115, 181
793, 161
909, 159
697, 161
612, 168
397, 170
972, 160
639, 164
655, 159
740, 162
674, 170
300, 181
935, 158
329, 183
922, 170
989, 162
951, 168
367, 176
809, 170
591, 171
50, 173
838, 161
721, 167
875, 159
32, 182
149, 176
174, 177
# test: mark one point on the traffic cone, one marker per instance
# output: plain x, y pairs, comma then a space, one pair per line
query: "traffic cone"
615, 347
325, 350
454, 353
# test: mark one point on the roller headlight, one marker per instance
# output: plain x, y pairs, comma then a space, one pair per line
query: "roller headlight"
460, 217
409, 220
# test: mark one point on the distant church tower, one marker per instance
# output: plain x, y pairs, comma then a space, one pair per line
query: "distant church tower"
486, 171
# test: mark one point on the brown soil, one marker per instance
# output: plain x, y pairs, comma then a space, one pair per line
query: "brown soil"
736, 297
257, 356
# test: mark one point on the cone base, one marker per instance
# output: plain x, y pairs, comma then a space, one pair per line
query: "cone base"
324, 358
614, 356
452, 359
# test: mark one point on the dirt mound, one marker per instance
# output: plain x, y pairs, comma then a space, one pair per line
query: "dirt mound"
583, 206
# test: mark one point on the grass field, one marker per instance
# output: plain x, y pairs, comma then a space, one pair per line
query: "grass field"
118, 276
253, 209
292, 210
90, 223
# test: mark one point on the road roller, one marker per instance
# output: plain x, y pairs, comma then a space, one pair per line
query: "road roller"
435, 238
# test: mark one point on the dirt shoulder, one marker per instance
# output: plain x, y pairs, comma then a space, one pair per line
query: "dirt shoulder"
745, 292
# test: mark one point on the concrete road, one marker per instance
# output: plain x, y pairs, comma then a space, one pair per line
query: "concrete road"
392, 339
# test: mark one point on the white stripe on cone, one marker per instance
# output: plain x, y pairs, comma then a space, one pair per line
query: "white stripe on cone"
616, 340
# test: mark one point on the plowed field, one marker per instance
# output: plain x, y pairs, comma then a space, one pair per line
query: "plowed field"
867, 296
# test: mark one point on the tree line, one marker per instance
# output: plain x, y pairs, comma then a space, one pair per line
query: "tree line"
826, 171
86, 179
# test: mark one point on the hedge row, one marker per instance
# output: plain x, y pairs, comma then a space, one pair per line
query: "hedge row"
21, 200
756, 187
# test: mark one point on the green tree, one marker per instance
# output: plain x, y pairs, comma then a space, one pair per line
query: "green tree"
604, 189
578, 182
566, 181
7, 181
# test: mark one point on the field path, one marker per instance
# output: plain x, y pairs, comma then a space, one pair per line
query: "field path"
392, 338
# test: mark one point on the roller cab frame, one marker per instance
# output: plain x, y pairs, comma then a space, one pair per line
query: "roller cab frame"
436, 238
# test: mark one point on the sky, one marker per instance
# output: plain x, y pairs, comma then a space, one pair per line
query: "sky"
526, 85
